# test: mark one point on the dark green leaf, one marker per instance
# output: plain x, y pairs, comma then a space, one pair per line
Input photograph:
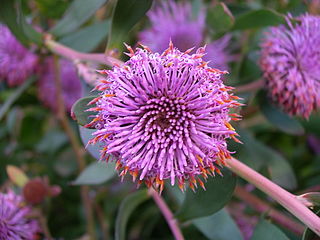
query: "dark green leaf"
88, 38
77, 14
309, 234
128, 205
96, 173
14, 96
205, 203
266, 231
11, 15
219, 226
79, 112
262, 155
258, 19
125, 15
219, 18
52, 141
279, 119
86, 136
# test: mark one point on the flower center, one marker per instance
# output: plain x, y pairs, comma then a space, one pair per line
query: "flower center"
165, 120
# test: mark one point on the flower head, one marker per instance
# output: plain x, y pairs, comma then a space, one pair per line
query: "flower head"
71, 84
164, 117
174, 21
290, 60
16, 62
14, 221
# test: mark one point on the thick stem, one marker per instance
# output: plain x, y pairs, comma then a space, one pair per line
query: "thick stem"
166, 212
286, 199
77, 148
252, 86
71, 54
261, 206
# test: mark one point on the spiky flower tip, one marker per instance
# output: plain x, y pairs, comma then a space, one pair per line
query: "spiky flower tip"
71, 84
165, 117
290, 60
15, 224
16, 62
171, 20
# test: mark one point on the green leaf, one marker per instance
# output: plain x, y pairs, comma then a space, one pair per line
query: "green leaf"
17, 176
219, 18
205, 203
310, 199
78, 110
14, 96
96, 173
125, 15
309, 234
11, 15
263, 156
219, 226
279, 119
258, 19
52, 141
86, 136
266, 231
128, 205
88, 38
78, 13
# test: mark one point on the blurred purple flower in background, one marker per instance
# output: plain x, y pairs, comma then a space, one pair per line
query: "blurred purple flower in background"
15, 224
71, 84
16, 62
176, 21
165, 117
290, 60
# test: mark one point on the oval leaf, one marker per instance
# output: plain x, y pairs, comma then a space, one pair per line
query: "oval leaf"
125, 15
257, 19
77, 14
218, 226
88, 38
79, 110
86, 136
219, 18
205, 203
278, 118
266, 231
263, 156
17, 176
96, 173
128, 205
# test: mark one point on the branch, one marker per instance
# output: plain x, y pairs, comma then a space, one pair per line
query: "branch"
77, 148
261, 206
286, 199
255, 85
71, 54
166, 212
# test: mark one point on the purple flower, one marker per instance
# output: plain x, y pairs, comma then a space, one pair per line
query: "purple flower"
290, 60
174, 21
164, 116
14, 221
16, 62
217, 54
71, 84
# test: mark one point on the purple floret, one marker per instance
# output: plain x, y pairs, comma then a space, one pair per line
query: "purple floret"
16, 62
290, 60
164, 116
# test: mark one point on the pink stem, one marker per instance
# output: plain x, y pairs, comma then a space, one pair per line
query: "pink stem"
71, 54
286, 199
166, 212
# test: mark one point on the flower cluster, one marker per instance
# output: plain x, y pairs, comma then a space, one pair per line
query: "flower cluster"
175, 21
14, 221
290, 60
165, 117
16, 62
71, 85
